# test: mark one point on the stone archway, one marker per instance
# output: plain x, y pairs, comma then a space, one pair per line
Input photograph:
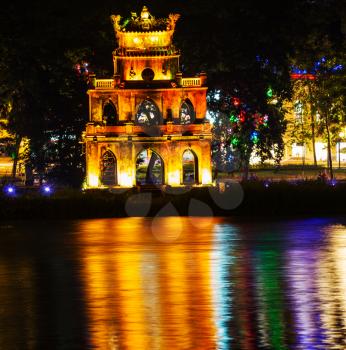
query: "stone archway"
190, 167
109, 115
108, 169
186, 113
149, 168
148, 114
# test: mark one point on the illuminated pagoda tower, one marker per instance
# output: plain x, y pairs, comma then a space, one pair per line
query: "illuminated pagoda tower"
147, 124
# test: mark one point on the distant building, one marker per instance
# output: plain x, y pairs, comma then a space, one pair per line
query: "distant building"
147, 123
302, 138
7, 142
6, 161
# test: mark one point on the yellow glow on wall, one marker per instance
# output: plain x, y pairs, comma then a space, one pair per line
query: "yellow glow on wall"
144, 53
126, 179
206, 177
174, 178
93, 180
131, 40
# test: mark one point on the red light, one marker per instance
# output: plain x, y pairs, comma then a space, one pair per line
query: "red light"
236, 101
242, 117
296, 76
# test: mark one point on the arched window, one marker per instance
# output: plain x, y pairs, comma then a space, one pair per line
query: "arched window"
149, 168
110, 116
108, 169
190, 167
148, 114
187, 113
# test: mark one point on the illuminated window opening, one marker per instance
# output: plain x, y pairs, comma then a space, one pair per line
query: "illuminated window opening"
341, 146
321, 151
148, 114
149, 168
187, 113
190, 168
298, 150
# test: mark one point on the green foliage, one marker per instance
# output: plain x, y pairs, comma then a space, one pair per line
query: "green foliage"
240, 131
45, 94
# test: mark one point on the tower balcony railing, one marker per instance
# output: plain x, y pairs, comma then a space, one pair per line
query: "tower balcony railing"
187, 82
149, 51
104, 84
157, 130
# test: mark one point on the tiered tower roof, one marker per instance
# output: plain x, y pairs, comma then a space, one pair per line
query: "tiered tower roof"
144, 34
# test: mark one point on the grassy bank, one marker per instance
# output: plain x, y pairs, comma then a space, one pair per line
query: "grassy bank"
260, 199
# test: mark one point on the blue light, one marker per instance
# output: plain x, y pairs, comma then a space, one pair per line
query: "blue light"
318, 66
10, 190
46, 190
254, 137
337, 67
333, 182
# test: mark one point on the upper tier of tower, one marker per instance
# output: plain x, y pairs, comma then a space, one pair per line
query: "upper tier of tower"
144, 35
145, 56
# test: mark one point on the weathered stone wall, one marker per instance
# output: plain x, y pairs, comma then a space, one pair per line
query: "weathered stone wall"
127, 101
171, 152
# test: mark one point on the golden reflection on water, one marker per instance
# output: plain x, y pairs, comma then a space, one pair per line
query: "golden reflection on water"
145, 292
17, 303
173, 283
332, 287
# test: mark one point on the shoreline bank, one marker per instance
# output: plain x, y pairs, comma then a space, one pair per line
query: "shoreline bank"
259, 199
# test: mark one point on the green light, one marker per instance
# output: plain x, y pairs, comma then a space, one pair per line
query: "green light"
233, 118
235, 141
270, 92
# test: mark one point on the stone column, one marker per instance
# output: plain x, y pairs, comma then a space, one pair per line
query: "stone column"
93, 164
205, 174
127, 165
173, 164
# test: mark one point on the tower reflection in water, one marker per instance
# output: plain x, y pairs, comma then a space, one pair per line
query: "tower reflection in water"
142, 293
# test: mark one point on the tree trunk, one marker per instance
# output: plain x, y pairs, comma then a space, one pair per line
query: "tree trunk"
312, 117
313, 139
246, 165
329, 148
303, 147
16, 156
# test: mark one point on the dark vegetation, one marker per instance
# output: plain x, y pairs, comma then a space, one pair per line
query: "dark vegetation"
245, 47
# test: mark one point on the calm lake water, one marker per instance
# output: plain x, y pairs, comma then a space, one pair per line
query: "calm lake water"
173, 283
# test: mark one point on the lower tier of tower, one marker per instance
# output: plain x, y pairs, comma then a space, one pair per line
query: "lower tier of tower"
173, 160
